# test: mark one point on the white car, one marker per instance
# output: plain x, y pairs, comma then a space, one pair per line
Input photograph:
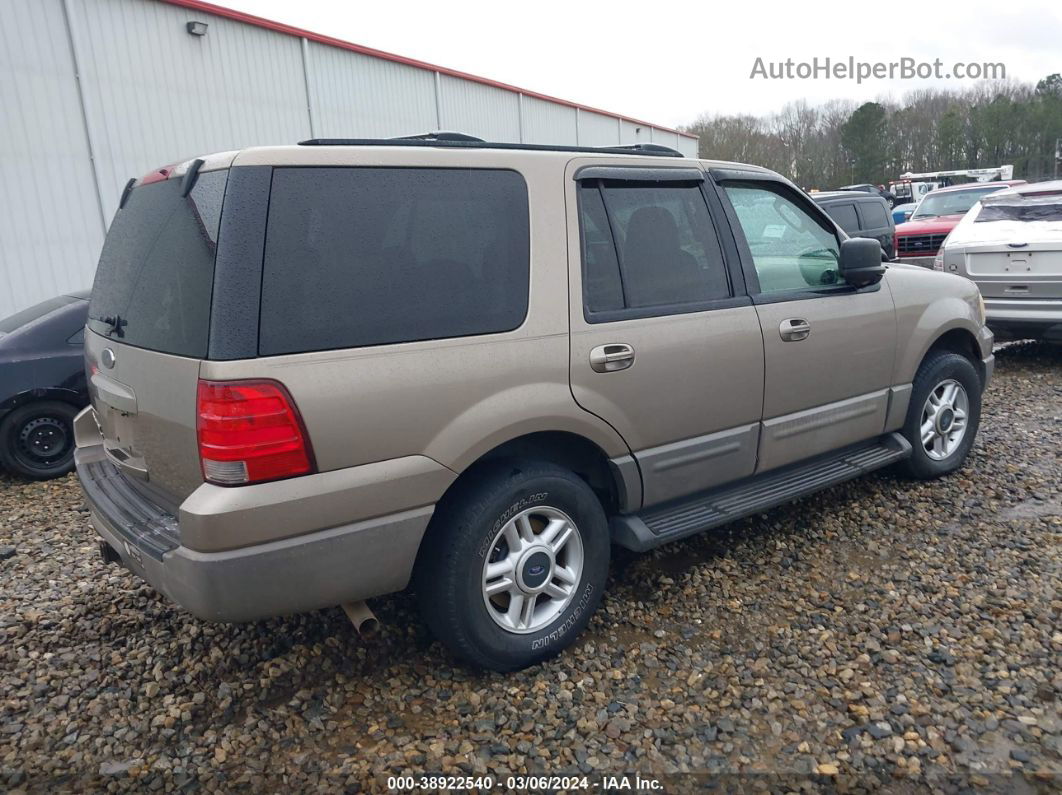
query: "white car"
1010, 245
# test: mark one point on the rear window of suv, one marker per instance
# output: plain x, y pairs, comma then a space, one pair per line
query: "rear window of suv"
874, 215
361, 256
156, 270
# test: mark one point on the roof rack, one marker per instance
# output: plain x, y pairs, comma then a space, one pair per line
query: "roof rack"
442, 135
461, 140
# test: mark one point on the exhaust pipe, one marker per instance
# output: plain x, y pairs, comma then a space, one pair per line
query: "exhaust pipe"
363, 619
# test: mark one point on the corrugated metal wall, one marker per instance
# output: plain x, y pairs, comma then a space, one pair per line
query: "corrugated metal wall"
93, 92
386, 98
51, 224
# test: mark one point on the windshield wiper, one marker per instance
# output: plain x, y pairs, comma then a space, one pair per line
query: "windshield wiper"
116, 324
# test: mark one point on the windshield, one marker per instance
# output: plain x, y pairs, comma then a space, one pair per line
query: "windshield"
952, 202
156, 271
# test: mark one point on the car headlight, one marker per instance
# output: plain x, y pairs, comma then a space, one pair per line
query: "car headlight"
938, 261
981, 306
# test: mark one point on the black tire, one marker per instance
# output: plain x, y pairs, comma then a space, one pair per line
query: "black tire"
938, 368
449, 579
37, 440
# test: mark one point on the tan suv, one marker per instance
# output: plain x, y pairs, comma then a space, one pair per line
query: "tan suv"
325, 372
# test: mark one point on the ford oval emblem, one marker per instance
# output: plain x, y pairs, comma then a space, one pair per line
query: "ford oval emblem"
107, 358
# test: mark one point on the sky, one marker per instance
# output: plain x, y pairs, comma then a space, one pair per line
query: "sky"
670, 62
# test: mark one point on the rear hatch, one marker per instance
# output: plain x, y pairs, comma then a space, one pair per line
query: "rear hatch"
1033, 270
149, 319
1013, 248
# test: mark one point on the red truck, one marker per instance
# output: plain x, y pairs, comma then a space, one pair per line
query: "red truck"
919, 239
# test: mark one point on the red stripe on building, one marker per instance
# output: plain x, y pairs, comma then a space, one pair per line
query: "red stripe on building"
291, 30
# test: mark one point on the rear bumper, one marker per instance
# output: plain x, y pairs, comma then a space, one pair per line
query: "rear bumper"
290, 575
1024, 318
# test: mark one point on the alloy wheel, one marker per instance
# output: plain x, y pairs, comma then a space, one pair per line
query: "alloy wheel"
944, 419
533, 569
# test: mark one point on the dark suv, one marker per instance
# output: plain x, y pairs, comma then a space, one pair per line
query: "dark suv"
860, 215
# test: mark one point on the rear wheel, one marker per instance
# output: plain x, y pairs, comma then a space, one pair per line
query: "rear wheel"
37, 440
944, 415
514, 565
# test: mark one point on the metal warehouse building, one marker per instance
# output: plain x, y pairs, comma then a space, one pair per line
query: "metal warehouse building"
93, 92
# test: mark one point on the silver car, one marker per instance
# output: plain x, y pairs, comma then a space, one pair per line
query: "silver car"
1010, 245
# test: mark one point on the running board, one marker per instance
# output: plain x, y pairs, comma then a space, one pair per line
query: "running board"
660, 524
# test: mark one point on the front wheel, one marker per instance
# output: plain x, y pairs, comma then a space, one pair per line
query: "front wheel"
37, 440
944, 415
514, 565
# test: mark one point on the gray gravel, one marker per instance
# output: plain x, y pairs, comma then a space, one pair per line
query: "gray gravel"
883, 633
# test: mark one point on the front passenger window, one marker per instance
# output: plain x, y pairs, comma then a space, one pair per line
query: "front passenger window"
791, 249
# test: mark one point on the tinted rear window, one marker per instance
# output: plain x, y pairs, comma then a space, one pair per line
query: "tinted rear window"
156, 271
26, 316
845, 216
874, 216
1035, 210
369, 256
648, 245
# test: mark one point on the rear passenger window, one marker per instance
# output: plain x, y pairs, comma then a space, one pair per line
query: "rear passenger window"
845, 216
874, 216
370, 256
647, 246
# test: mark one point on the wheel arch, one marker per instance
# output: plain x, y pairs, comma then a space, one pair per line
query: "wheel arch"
958, 340
73, 397
572, 451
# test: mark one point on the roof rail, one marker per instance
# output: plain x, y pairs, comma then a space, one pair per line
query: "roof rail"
647, 148
441, 135
462, 140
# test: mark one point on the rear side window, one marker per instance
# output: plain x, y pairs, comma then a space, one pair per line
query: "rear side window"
845, 216
156, 271
369, 256
874, 216
648, 246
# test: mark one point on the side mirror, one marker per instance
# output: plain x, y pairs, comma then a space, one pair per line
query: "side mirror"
860, 262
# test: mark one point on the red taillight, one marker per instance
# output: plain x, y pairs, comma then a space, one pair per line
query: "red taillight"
249, 432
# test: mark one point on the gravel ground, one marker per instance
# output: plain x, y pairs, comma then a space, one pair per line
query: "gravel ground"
881, 634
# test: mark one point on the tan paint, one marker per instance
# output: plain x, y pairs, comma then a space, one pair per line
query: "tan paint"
160, 435
215, 518
928, 305
392, 426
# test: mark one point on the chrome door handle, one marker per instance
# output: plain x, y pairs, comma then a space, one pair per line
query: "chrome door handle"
794, 329
612, 357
